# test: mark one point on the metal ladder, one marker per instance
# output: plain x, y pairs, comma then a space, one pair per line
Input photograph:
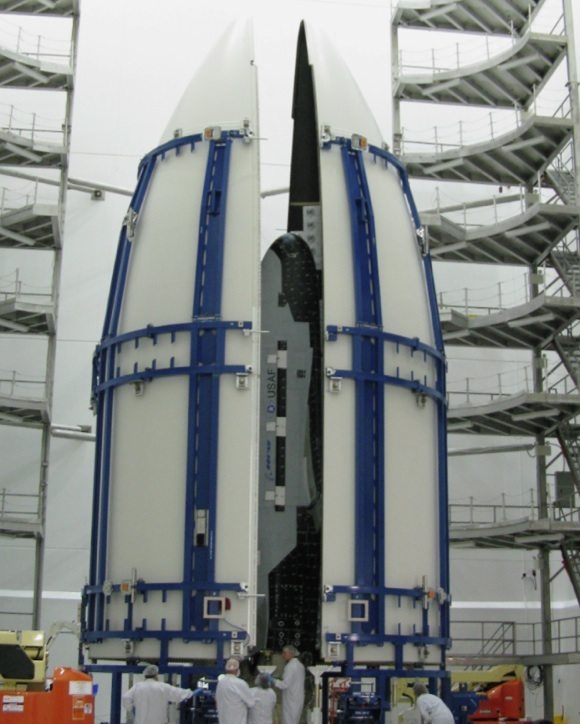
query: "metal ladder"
567, 263
571, 556
570, 443
564, 184
568, 348
501, 642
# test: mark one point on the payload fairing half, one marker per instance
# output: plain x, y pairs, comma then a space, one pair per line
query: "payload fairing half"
271, 443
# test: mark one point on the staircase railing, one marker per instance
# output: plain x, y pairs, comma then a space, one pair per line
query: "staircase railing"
513, 638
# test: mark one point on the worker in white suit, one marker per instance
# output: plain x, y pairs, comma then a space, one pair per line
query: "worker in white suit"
264, 701
233, 696
292, 686
433, 709
147, 701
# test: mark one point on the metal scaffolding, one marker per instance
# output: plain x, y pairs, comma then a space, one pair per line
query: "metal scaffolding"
512, 133
32, 222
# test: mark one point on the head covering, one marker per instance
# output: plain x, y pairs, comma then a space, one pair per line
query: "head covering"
291, 650
150, 671
419, 688
263, 680
232, 665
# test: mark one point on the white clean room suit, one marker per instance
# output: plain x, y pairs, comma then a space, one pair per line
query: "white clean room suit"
292, 686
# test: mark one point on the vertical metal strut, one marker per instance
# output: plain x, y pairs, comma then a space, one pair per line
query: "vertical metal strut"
208, 352
370, 417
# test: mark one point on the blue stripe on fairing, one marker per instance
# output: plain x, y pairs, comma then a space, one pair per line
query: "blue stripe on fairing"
207, 350
208, 337
389, 158
105, 365
361, 210
369, 401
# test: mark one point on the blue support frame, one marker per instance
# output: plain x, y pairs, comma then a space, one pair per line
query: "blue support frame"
368, 360
208, 338
116, 697
207, 350
368, 341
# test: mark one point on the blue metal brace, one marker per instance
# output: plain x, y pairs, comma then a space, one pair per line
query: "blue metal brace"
367, 360
208, 334
207, 350
368, 340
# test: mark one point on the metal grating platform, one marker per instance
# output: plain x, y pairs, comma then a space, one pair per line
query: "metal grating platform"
16, 528
36, 226
527, 326
519, 659
24, 412
22, 71
475, 16
524, 239
40, 7
513, 158
18, 150
526, 414
26, 317
511, 79
524, 534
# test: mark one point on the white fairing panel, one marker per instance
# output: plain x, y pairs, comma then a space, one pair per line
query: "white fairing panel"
150, 430
411, 545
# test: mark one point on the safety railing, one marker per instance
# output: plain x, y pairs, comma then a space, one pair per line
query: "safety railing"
31, 126
35, 192
471, 52
488, 388
486, 213
483, 389
557, 379
491, 513
14, 289
482, 213
513, 638
451, 57
23, 507
490, 127
570, 245
16, 39
566, 513
503, 509
17, 386
484, 637
506, 294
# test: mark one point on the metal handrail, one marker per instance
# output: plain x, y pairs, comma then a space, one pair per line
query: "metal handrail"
468, 390
515, 638
12, 288
482, 514
31, 126
32, 45
481, 636
501, 295
13, 506
457, 56
478, 514
15, 384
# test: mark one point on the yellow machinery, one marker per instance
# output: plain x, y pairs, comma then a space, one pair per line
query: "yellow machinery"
26, 697
23, 660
